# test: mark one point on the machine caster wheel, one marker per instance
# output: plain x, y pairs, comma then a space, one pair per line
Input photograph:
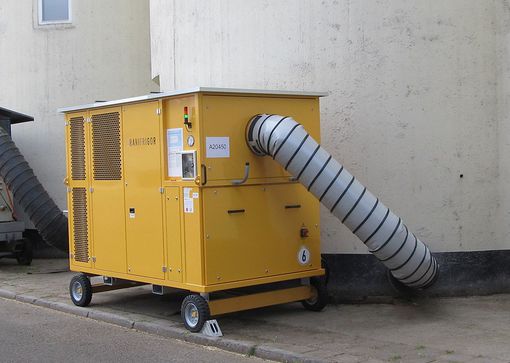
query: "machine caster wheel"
24, 257
194, 312
80, 290
319, 299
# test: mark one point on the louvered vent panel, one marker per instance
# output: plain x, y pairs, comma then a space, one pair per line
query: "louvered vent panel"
77, 148
106, 146
80, 225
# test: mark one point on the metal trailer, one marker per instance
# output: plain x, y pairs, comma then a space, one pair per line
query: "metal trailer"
205, 191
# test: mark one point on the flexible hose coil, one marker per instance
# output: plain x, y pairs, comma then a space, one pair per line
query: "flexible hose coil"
47, 218
386, 236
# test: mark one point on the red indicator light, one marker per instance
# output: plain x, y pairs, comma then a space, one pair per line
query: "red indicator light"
186, 112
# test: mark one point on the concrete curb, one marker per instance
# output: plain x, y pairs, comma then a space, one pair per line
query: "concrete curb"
166, 330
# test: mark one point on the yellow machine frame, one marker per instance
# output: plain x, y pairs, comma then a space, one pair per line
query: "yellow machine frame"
134, 217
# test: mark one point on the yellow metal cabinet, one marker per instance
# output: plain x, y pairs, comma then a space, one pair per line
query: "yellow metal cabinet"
151, 196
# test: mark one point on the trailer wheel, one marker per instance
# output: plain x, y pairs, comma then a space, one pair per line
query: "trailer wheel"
194, 312
24, 257
319, 299
80, 290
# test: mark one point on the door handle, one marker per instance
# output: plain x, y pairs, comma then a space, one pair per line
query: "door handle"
246, 175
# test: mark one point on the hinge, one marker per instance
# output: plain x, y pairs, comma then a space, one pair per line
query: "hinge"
91, 190
161, 190
68, 190
163, 268
66, 123
93, 258
158, 111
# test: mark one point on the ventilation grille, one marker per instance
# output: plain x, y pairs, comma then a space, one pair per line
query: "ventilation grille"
77, 148
106, 146
80, 225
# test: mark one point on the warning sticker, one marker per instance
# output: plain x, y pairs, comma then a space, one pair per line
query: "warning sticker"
174, 148
188, 201
217, 147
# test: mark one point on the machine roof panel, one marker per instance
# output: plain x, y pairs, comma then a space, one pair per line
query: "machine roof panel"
159, 95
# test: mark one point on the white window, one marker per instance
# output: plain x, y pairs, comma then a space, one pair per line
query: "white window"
54, 11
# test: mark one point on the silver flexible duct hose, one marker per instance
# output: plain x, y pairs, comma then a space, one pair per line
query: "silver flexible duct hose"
385, 234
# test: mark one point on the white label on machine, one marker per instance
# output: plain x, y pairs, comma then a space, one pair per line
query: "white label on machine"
188, 201
217, 147
195, 195
303, 256
174, 148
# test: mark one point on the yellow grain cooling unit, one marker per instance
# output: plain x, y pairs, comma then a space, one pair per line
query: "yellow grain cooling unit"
213, 191
163, 190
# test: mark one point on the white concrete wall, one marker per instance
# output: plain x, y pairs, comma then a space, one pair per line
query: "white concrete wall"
418, 96
104, 54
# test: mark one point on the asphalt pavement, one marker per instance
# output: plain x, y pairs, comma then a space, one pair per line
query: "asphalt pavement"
34, 334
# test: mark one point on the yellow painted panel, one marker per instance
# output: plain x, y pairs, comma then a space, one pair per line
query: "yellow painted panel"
108, 222
173, 116
79, 232
193, 269
227, 116
250, 233
80, 229
173, 233
107, 191
262, 299
143, 197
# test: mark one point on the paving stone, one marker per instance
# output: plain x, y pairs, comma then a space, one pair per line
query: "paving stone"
111, 318
6, 294
165, 330
70, 309
26, 299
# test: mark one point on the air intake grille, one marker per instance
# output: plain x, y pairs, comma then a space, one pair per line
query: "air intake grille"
106, 146
77, 148
80, 225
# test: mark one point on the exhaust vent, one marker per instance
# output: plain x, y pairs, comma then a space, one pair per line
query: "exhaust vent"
106, 146
77, 148
80, 233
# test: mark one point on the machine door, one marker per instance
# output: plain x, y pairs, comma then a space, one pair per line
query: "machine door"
173, 234
107, 191
78, 189
144, 200
254, 231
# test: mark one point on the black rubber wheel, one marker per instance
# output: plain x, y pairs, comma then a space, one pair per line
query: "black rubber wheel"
194, 312
324, 265
80, 290
24, 257
320, 298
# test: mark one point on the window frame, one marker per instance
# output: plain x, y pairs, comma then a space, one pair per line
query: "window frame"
54, 22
